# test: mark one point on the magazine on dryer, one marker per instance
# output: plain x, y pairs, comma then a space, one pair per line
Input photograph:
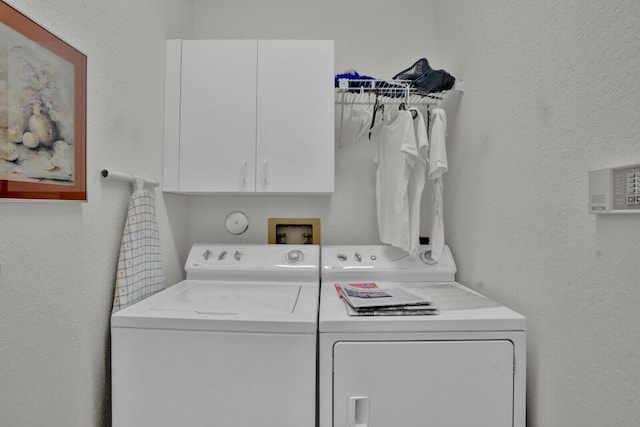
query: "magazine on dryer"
369, 299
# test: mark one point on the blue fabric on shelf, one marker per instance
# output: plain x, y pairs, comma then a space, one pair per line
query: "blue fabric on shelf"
418, 68
352, 76
425, 79
434, 81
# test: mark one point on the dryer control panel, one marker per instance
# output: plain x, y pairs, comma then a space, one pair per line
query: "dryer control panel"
386, 262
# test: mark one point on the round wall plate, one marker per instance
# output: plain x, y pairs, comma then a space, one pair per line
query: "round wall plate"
237, 222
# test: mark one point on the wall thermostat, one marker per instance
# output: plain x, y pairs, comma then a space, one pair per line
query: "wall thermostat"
615, 190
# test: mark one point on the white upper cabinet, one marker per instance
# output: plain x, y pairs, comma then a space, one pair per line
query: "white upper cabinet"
244, 116
295, 150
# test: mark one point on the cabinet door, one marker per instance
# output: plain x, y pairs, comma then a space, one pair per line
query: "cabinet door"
430, 383
295, 150
217, 116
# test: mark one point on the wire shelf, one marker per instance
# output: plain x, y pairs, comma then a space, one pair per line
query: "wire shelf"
357, 91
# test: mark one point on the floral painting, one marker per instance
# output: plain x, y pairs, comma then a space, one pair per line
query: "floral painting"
39, 126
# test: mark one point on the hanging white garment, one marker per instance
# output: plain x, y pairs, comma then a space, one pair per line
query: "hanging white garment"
355, 124
417, 180
438, 166
139, 272
362, 118
396, 157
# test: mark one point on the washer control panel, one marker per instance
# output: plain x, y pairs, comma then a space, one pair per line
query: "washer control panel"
220, 260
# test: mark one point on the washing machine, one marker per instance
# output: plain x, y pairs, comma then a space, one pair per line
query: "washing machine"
463, 366
233, 345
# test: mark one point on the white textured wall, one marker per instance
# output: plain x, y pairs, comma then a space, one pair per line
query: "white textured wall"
552, 91
57, 260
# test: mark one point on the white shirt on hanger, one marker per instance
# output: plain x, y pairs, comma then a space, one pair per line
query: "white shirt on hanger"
438, 166
396, 157
417, 180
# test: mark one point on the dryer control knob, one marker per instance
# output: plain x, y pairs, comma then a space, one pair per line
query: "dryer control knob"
294, 256
342, 257
426, 258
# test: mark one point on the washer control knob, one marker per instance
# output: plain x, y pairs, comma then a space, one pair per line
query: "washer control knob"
238, 255
294, 256
222, 255
207, 254
426, 258
373, 257
358, 257
342, 257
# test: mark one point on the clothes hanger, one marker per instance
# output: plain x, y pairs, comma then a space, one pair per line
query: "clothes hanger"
377, 106
373, 125
404, 105
414, 110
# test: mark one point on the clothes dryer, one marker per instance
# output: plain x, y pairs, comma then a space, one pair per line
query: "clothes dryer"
232, 345
463, 366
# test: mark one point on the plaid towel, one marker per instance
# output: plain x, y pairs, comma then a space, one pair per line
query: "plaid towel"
139, 272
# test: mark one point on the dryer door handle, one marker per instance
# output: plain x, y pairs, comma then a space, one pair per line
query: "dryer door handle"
358, 411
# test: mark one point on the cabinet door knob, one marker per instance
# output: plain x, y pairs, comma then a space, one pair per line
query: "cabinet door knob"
243, 176
265, 172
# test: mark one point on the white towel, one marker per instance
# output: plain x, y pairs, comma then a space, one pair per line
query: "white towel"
139, 272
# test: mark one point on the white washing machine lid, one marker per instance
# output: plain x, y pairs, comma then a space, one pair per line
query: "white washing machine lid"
460, 309
227, 306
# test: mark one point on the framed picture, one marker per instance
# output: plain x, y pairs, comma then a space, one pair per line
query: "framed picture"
43, 88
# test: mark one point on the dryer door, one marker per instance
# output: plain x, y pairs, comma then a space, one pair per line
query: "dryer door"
430, 383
